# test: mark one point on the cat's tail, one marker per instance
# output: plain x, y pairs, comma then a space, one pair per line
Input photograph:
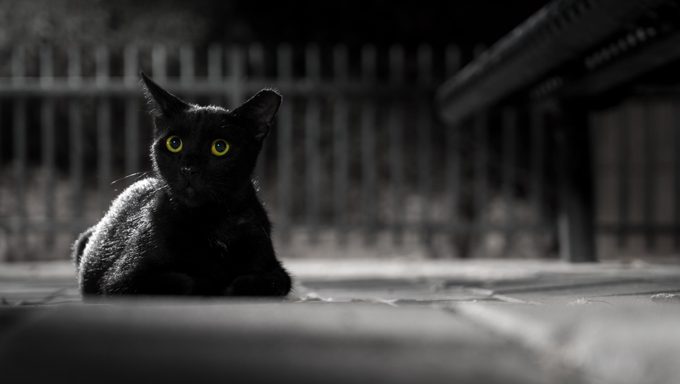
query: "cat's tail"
79, 246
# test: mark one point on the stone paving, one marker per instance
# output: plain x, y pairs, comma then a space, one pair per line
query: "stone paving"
483, 321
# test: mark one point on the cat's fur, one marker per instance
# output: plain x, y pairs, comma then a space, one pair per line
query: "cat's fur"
196, 227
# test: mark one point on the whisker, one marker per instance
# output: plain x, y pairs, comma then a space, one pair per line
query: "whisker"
139, 174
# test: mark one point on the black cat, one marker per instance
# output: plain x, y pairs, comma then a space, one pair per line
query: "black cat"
196, 227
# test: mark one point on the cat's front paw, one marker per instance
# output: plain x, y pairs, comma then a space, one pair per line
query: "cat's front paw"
254, 285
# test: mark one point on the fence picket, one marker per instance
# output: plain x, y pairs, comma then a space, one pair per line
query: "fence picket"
453, 185
481, 130
285, 146
76, 163
159, 57
368, 160
676, 173
48, 141
340, 146
537, 127
132, 112
19, 127
215, 69
236, 74
509, 153
395, 121
424, 59
75, 129
187, 72
649, 193
623, 172
453, 163
312, 122
256, 61
104, 116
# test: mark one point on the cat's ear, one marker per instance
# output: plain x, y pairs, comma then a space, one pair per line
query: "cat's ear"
162, 102
260, 110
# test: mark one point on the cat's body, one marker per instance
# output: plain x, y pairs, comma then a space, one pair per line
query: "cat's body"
196, 227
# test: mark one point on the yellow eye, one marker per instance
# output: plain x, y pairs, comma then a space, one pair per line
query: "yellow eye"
219, 147
174, 144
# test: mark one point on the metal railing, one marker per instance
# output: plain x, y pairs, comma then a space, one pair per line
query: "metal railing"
578, 63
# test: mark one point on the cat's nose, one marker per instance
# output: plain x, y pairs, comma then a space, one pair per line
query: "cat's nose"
188, 171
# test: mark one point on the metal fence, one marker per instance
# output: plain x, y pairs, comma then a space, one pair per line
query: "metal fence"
357, 160
637, 173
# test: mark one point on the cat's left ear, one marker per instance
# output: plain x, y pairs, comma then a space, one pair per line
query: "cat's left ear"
260, 110
163, 102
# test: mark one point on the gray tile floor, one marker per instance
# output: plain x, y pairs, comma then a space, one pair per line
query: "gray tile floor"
480, 321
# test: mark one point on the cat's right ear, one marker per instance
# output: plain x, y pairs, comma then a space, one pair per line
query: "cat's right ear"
162, 102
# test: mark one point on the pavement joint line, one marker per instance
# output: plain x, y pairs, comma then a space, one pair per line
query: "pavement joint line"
509, 324
606, 349
540, 339
645, 293
514, 300
474, 313
491, 294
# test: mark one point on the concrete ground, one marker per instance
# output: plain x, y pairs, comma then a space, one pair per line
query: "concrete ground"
484, 321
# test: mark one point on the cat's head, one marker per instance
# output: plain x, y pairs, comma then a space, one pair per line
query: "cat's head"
206, 154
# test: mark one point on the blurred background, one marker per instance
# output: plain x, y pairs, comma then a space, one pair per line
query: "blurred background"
361, 162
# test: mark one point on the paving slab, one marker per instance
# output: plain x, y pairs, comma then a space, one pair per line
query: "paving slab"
259, 342
611, 343
359, 320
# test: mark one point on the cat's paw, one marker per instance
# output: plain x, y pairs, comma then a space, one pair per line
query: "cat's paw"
254, 285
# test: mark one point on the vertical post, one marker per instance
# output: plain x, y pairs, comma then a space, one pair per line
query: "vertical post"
676, 173
235, 60
312, 138
454, 180
624, 172
75, 128
453, 162
576, 227
396, 148
256, 60
215, 69
285, 145
537, 127
187, 70
424, 59
103, 129
131, 111
340, 144
509, 120
5, 220
481, 168
48, 142
19, 127
368, 162
649, 157
159, 56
